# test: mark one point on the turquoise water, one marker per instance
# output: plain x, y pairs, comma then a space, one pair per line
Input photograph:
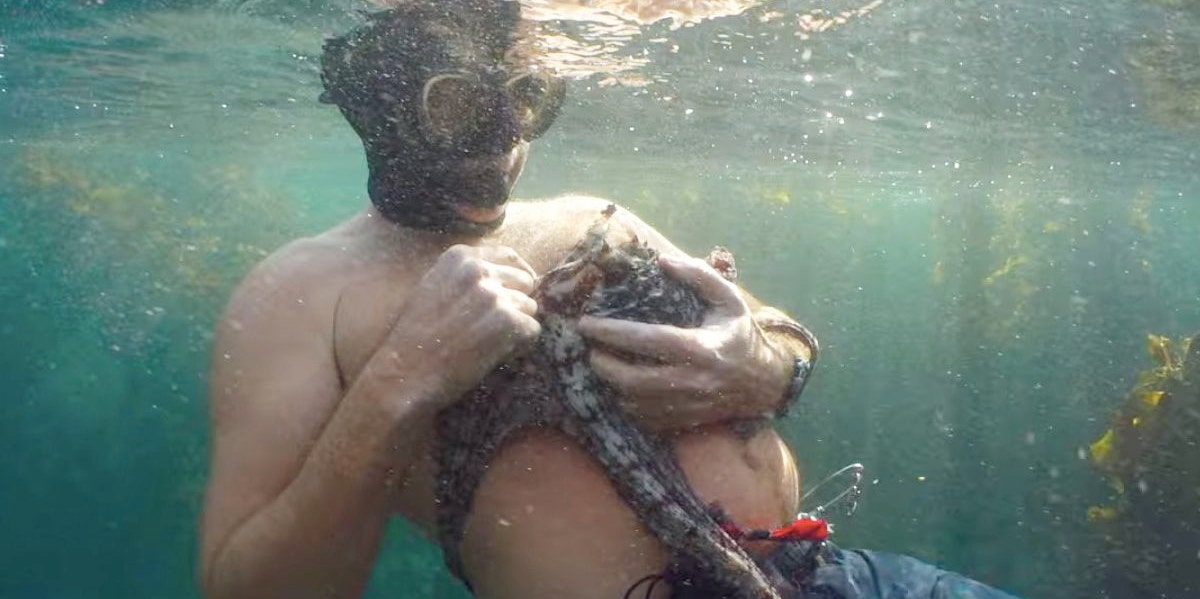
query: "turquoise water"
981, 209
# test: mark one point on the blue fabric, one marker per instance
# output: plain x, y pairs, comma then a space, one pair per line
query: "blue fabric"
859, 574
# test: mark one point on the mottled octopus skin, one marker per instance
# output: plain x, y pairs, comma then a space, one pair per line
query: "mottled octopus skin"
554, 386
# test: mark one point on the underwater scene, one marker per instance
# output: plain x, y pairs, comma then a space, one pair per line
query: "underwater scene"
989, 214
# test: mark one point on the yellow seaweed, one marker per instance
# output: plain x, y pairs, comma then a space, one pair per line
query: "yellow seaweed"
780, 197
1101, 450
1098, 513
1117, 485
1149, 446
1151, 398
202, 247
1159, 348
1010, 263
1139, 213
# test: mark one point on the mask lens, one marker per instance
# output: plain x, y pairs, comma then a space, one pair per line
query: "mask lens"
451, 110
536, 100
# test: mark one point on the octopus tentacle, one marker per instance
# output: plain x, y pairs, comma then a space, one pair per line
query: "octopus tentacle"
555, 386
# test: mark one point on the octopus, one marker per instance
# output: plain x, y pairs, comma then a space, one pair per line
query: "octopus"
554, 386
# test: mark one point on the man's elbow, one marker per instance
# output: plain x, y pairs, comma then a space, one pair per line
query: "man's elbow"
206, 578
210, 577
215, 582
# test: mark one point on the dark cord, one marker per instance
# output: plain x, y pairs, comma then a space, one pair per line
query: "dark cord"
650, 589
651, 578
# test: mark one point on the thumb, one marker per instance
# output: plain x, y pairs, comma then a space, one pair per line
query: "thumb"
708, 283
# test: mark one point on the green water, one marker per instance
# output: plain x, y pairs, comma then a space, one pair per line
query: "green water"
874, 180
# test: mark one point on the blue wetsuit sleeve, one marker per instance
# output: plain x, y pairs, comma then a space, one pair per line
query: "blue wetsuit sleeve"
859, 574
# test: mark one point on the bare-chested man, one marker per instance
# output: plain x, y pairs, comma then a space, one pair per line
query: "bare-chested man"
336, 352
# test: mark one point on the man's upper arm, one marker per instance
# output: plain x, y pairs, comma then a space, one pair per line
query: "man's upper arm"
272, 386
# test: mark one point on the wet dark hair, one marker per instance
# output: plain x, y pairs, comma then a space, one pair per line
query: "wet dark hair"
374, 74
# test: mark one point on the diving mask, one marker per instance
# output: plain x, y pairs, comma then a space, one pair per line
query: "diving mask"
477, 113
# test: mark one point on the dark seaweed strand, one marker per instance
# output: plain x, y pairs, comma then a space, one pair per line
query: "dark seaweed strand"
641, 467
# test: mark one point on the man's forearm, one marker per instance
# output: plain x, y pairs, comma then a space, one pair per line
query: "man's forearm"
320, 536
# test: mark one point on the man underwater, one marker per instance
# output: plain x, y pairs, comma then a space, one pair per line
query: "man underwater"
336, 353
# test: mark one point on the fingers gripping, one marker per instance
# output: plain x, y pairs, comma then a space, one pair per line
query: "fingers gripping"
650, 380
496, 284
660, 342
719, 293
506, 256
513, 278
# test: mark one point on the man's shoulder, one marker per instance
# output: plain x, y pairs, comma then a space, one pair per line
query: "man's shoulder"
577, 210
303, 272
557, 208
545, 230
301, 261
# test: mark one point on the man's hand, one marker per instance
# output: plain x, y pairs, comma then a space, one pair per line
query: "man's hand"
303, 469
470, 312
691, 376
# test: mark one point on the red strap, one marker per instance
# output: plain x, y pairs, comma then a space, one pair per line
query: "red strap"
803, 529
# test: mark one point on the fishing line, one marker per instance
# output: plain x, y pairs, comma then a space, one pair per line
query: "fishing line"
851, 493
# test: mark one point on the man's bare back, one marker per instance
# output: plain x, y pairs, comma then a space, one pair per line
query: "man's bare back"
546, 522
